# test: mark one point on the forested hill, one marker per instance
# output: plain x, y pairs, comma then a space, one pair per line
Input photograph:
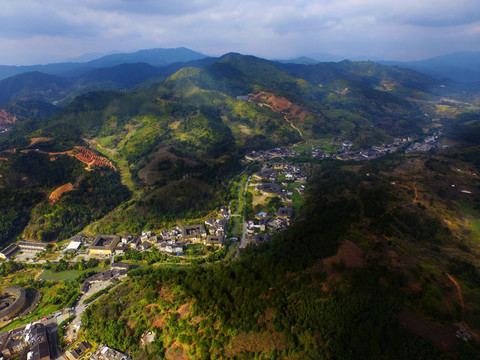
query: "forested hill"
193, 123
370, 271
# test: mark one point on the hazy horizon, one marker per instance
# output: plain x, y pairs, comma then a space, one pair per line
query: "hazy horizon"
33, 32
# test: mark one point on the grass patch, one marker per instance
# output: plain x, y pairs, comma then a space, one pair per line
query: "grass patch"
241, 195
472, 216
121, 164
297, 200
64, 275
19, 278
324, 144
236, 226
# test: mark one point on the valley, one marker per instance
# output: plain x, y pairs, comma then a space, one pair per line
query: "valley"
243, 208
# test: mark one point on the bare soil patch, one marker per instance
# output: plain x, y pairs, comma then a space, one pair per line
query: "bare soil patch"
282, 105
37, 140
258, 199
166, 294
349, 253
58, 192
256, 342
176, 353
7, 118
184, 310
159, 322
442, 336
245, 130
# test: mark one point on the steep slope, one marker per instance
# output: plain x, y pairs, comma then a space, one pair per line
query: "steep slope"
31, 109
373, 270
33, 86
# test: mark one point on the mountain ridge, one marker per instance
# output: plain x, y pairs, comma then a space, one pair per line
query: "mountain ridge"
155, 57
460, 66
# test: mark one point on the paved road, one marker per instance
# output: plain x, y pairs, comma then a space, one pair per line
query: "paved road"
243, 242
74, 326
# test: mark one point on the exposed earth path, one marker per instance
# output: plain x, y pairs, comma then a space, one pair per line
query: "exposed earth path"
459, 290
293, 126
285, 117
416, 193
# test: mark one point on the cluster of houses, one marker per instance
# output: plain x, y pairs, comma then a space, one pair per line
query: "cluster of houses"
171, 241
103, 352
292, 172
32, 340
81, 349
272, 181
430, 142
371, 153
270, 173
264, 226
116, 272
345, 153
266, 155
374, 152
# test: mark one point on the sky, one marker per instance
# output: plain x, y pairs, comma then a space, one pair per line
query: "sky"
40, 32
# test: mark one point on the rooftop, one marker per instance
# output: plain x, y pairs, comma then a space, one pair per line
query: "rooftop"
107, 242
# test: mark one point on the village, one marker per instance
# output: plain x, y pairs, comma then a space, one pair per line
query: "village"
271, 196
344, 150
275, 179
282, 181
429, 143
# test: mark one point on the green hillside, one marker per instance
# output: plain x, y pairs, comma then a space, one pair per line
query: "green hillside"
366, 273
193, 130
380, 262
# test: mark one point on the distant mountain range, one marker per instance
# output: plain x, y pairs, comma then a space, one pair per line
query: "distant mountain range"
60, 83
154, 57
460, 66
62, 88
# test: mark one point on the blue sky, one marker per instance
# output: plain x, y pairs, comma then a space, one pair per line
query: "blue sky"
33, 32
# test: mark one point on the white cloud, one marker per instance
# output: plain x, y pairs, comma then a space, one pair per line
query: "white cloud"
269, 28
